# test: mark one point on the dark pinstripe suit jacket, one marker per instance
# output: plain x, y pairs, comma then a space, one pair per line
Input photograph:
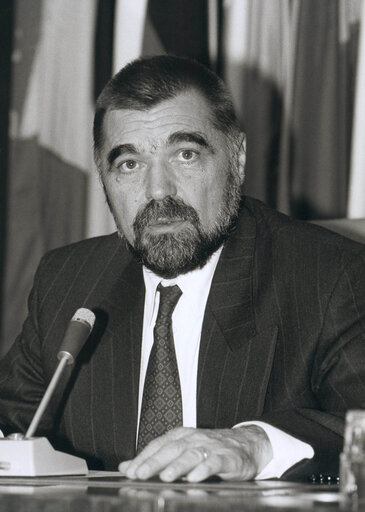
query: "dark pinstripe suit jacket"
283, 340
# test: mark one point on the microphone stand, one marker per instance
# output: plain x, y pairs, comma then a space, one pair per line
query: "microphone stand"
65, 358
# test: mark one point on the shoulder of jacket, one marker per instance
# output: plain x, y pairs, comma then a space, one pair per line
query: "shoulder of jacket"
281, 227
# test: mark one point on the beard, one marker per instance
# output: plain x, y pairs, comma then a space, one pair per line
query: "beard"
171, 254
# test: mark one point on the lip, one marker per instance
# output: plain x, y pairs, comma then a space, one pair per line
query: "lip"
166, 225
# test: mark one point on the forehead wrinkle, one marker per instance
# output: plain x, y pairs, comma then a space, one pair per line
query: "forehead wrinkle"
167, 133
135, 127
143, 146
134, 120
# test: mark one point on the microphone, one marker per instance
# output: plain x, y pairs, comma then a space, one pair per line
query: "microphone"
77, 332
34, 456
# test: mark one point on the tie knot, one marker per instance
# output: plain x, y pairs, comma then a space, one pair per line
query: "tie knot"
169, 295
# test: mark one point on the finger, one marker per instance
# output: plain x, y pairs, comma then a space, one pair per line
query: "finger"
123, 466
158, 461
225, 465
157, 455
209, 466
182, 465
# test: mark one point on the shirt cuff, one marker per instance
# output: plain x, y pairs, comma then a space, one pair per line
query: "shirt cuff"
287, 450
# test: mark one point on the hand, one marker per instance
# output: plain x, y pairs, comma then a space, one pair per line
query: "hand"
232, 454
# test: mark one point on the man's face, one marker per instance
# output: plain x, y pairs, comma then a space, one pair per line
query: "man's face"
165, 173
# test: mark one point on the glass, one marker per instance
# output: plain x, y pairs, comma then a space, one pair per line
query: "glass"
352, 459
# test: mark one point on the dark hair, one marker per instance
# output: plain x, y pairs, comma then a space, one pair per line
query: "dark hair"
146, 82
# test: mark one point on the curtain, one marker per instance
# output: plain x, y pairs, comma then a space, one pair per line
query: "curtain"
255, 53
290, 66
50, 154
321, 111
356, 203
6, 36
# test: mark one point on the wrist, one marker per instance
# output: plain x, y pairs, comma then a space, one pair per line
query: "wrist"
258, 443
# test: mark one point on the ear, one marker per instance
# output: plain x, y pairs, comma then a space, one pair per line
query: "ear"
242, 157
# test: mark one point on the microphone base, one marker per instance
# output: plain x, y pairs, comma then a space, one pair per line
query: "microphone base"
37, 457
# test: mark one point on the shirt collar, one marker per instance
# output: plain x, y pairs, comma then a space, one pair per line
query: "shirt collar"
195, 285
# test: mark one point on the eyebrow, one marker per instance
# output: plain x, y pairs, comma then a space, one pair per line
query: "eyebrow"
122, 149
194, 137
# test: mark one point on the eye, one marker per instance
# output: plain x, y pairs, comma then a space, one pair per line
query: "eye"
187, 155
128, 165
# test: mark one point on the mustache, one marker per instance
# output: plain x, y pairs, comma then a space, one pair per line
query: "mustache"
167, 208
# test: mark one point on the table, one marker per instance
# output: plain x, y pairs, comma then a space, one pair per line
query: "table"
110, 492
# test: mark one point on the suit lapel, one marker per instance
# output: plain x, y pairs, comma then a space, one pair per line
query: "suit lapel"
235, 359
124, 309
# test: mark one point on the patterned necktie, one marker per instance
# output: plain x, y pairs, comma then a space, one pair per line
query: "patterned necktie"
161, 404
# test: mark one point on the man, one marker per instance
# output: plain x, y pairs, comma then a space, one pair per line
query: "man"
268, 328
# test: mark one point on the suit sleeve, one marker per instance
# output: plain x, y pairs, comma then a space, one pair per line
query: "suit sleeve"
21, 378
337, 376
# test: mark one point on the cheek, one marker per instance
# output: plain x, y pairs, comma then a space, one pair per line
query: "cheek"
124, 206
210, 199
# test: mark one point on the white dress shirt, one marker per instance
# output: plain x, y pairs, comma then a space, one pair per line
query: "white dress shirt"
187, 321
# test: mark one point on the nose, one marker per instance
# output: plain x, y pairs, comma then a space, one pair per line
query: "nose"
160, 182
